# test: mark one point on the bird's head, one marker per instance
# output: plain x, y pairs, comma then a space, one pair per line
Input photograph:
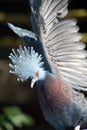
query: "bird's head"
26, 63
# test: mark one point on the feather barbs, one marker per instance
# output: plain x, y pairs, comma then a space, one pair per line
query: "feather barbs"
26, 63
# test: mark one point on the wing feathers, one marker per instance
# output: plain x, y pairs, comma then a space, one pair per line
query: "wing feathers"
52, 9
62, 29
68, 53
68, 22
72, 37
61, 42
68, 47
74, 74
75, 63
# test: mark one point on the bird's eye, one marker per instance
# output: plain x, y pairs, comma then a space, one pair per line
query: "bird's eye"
37, 74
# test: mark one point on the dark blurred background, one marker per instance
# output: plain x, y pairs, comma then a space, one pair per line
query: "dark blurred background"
17, 93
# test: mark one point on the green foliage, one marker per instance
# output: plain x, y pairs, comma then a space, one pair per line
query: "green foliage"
13, 116
4, 123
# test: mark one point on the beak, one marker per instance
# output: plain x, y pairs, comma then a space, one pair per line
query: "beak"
33, 81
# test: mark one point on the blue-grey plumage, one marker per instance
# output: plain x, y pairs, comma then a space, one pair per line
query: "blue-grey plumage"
60, 80
31, 40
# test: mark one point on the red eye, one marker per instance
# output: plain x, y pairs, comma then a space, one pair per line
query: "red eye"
37, 74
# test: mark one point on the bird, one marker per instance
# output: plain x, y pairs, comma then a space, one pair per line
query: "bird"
55, 60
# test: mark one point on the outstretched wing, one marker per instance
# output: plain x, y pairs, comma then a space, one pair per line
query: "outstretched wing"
47, 12
61, 41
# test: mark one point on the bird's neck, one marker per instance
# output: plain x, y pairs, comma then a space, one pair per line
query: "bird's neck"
47, 81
